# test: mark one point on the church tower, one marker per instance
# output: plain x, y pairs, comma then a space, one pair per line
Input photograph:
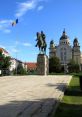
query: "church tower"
76, 54
52, 49
64, 50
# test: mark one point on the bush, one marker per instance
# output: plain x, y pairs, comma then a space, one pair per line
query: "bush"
54, 65
32, 72
73, 67
20, 70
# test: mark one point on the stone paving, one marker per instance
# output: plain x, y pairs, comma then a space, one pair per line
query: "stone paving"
30, 96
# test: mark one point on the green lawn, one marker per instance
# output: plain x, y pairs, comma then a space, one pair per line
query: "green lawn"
71, 104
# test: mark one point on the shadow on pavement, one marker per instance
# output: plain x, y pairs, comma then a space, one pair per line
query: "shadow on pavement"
38, 108
59, 86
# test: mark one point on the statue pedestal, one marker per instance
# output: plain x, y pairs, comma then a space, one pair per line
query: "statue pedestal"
42, 64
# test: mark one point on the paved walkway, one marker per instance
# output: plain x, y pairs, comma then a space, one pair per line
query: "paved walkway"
30, 96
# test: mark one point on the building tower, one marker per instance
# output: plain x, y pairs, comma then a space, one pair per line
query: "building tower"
64, 50
52, 49
76, 54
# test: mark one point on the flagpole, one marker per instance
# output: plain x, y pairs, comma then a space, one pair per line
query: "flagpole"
13, 24
16, 63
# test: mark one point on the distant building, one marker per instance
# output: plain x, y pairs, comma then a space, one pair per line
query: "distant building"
64, 51
31, 66
15, 63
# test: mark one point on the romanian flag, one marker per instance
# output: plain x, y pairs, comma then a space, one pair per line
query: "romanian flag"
14, 22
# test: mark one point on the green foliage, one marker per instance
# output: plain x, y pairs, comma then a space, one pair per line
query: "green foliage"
1, 60
7, 62
62, 68
54, 65
32, 72
4, 64
20, 70
4, 61
71, 104
73, 67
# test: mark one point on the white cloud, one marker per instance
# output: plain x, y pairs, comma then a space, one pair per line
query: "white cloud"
28, 5
7, 31
4, 26
24, 7
5, 22
40, 8
15, 50
27, 44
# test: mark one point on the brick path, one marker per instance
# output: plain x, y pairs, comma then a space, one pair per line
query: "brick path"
30, 96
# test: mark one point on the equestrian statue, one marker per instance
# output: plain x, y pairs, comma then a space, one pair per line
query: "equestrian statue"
41, 42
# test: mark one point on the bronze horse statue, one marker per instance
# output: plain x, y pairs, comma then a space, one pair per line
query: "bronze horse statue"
41, 43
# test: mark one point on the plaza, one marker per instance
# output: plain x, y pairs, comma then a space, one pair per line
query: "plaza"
31, 96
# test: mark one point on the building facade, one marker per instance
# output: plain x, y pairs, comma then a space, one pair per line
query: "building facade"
14, 62
64, 51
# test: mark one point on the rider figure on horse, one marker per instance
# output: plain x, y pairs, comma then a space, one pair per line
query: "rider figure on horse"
41, 42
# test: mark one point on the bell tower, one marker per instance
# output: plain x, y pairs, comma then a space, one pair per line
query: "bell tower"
76, 54
52, 49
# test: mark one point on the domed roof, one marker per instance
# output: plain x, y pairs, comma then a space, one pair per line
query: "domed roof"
64, 39
75, 40
51, 42
52, 45
64, 35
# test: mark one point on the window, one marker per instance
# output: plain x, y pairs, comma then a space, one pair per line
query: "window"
65, 53
64, 58
61, 56
65, 49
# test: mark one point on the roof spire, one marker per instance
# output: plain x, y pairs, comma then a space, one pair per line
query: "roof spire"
64, 35
64, 31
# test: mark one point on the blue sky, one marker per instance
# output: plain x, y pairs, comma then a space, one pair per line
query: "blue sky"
51, 16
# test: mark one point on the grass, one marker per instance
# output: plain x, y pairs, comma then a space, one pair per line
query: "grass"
71, 104
56, 73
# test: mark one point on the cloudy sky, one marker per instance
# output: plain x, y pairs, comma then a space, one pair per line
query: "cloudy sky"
51, 16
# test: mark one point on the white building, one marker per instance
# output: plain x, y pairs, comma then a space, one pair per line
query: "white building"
14, 62
64, 51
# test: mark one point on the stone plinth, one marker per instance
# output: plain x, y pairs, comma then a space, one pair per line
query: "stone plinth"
42, 64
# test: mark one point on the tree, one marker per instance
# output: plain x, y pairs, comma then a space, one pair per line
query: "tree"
1, 60
7, 62
73, 67
4, 63
20, 70
54, 65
